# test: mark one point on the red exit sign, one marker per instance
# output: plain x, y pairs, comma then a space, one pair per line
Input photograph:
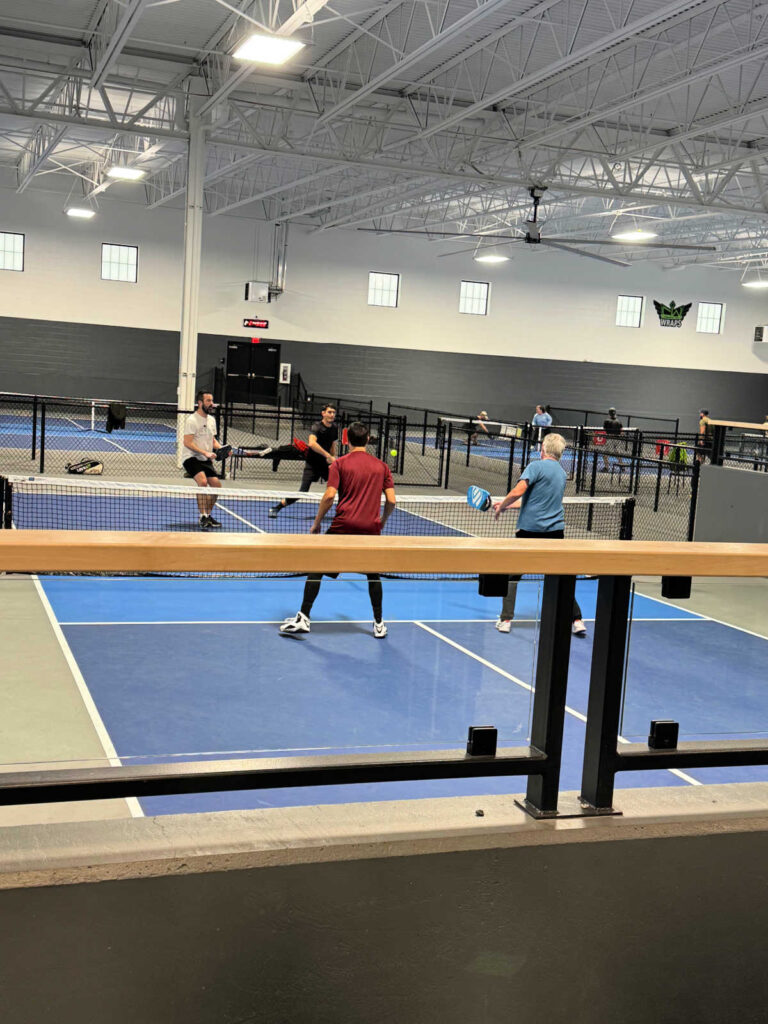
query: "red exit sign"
260, 325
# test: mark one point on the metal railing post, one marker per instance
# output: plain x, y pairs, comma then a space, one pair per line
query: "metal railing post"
549, 697
605, 687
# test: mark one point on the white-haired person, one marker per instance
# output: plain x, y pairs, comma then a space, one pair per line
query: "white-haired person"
539, 495
478, 424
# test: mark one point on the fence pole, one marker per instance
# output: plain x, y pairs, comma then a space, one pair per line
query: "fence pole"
658, 486
511, 465
424, 434
449, 445
593, 485
695, 471
42, 437
34, 427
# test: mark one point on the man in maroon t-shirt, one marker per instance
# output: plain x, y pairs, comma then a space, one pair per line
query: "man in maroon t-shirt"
359, 480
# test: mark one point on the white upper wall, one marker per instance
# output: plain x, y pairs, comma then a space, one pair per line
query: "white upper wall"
543, 304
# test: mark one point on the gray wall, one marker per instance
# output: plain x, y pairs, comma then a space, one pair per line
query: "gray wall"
632, 932
37, 356
732, 505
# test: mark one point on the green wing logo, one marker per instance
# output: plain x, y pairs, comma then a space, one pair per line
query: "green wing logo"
671, 315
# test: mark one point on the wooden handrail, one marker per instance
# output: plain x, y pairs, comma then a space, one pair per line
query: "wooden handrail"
82, 551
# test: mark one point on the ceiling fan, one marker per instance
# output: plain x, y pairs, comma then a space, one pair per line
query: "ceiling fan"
533, 236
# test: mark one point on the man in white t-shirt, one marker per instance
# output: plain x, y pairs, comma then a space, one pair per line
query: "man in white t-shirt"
200, 446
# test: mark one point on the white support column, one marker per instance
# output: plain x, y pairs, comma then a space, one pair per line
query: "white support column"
193, 236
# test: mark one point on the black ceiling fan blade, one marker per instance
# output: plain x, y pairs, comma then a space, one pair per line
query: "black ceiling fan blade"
638, 245
583, 252
478, 249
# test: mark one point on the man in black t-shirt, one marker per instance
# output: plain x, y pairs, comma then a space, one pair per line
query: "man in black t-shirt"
612, 427
320, 455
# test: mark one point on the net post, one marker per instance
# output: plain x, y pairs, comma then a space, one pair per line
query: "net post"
34, 427
605, 689
6, 504
42, 437
593, 484
424, 433
401, 446
447, 449
511, 464
549, 696
627, 527
469, 442
695, 471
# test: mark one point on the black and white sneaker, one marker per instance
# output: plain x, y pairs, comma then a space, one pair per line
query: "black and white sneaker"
379, 630
274, 510
298, 624
213, 524
204, 524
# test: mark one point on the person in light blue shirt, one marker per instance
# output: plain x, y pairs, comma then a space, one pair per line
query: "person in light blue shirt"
541, 417
539, 496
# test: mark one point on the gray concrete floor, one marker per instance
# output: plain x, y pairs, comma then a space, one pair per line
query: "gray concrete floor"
44, 721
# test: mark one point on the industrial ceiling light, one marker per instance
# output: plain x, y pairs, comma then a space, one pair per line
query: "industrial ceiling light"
121, 173
635, 235
80, 211
265, 49
491, 257
754, 278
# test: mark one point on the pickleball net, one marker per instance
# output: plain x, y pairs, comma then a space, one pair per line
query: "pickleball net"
45, 503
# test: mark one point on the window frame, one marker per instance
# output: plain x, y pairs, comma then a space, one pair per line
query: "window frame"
119, 245
721, 322
487, 304
385, 273
23, 237
641, 312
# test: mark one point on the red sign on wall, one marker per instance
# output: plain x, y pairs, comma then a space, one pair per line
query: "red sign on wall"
260, 325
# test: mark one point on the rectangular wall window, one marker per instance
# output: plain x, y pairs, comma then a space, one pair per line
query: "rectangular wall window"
383, 289
473, 297
11, 251
709, 318
629, 311
119, 263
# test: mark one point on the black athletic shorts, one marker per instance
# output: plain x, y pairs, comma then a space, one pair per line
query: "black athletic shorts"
194, 466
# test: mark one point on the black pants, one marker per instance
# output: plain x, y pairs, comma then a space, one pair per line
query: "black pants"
508, 606
312, 589
312, 473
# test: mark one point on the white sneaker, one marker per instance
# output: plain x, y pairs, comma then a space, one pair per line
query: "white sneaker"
379, 630
298, 624
578, 628
504, 625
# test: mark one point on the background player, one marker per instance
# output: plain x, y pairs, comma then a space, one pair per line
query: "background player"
321, 453
540, 488
200, 446
613, 428
359, 480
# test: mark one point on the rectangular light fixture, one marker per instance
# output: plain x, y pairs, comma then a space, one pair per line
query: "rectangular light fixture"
80, 211
125, 173
265, 49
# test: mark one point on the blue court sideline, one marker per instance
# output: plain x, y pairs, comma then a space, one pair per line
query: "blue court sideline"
195, 668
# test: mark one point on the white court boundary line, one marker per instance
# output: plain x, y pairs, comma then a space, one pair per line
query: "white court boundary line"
705, 618
569, 710
87, 430
90, 706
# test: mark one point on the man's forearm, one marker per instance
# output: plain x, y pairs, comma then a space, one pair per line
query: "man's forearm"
322, 511
320, 451
388, 509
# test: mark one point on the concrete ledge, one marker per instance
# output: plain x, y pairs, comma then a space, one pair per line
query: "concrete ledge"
94, 851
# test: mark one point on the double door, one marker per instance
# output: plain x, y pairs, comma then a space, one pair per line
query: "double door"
252, 371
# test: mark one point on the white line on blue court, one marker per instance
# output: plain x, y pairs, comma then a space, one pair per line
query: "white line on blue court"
705, 618
569, 710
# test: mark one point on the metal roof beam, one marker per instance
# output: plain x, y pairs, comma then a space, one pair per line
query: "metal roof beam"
110, 36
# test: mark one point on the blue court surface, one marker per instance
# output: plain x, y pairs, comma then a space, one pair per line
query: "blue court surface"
65, 433
194, 669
